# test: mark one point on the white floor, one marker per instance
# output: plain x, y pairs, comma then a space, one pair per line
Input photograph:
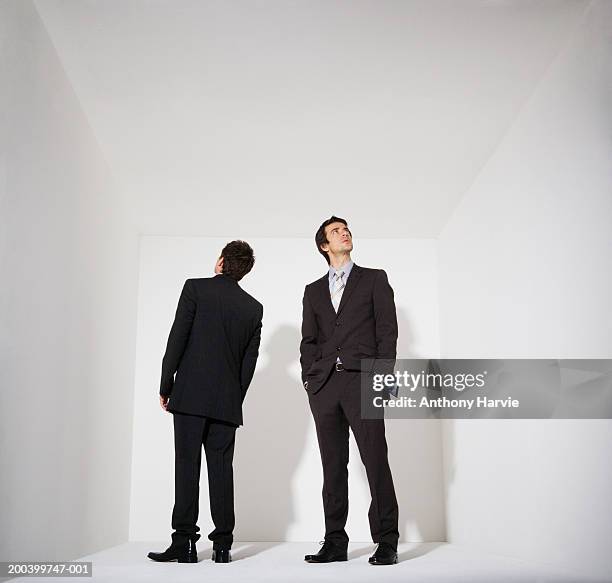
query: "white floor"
284, 562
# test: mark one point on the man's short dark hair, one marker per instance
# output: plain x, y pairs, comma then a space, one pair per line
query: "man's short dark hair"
321, 237
238, 259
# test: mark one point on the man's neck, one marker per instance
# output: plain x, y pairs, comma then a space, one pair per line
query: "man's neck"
337, 261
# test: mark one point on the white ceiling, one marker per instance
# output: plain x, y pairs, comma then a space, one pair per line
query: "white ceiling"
261, 118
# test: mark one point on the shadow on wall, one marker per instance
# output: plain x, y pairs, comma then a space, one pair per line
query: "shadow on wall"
270, 445
416, 463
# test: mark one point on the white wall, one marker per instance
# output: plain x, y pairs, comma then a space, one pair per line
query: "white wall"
277, 462
68, 273
524, 266
393, 105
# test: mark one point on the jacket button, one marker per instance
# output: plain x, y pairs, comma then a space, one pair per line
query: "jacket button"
338, 349
337, 323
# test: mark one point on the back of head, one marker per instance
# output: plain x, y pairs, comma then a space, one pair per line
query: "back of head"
238, 259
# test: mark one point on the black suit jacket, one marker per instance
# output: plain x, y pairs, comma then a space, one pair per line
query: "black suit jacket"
365, 326
212, 348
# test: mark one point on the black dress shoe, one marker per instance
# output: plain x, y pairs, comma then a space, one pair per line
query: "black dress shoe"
183, 553
385, 554
221, 555
329, 553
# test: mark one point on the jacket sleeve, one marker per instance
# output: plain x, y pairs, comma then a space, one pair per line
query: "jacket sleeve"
385, 317
177, 340
249, 360
310, 334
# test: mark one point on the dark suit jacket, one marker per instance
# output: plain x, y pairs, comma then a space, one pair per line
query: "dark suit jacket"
365, 326
212, 347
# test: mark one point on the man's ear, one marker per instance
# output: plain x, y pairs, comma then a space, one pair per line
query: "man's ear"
219, 265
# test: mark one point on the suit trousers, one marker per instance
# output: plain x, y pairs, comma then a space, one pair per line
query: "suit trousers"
190, 433
335, 408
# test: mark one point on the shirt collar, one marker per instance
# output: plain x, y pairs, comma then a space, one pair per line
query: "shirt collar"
346, 268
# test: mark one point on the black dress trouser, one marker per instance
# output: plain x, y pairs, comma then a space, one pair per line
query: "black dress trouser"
190, 433
335, 408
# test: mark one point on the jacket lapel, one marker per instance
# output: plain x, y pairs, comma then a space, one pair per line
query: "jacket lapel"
351, 284
324, 295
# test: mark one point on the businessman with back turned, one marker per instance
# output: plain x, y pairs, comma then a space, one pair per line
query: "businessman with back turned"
212, 348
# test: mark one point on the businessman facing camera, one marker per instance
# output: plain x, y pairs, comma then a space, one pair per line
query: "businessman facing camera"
348, 315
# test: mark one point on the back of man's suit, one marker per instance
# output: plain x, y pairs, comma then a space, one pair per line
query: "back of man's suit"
213, 347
